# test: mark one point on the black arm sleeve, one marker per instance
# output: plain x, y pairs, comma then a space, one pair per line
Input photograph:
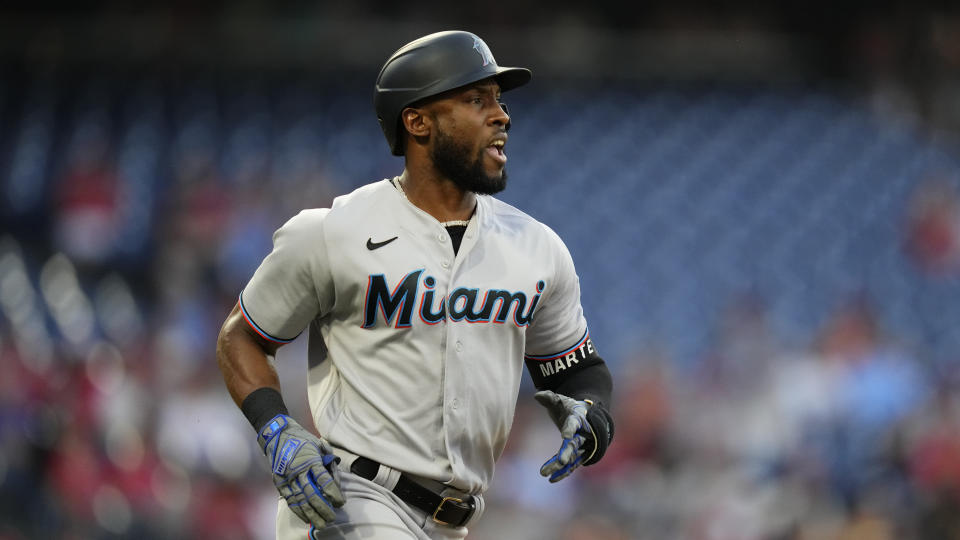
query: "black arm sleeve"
592, 382
582, 375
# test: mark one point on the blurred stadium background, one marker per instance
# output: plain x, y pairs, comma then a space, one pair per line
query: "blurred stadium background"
762, 201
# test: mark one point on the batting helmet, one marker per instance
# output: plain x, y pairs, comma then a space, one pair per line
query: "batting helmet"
429, 66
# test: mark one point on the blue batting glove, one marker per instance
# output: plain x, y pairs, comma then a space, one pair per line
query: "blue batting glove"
304, 470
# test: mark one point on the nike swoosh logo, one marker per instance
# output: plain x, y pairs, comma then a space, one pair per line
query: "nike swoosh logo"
371, 245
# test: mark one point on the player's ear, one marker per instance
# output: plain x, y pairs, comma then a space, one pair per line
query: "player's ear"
416, 121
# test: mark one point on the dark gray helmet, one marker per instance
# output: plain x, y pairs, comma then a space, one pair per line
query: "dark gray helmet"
431, 65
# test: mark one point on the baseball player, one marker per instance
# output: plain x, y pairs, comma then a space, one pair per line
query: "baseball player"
423, 296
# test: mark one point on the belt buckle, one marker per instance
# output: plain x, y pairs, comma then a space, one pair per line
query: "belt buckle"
440, 507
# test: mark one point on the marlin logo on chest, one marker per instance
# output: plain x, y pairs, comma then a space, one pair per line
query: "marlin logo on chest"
462, 304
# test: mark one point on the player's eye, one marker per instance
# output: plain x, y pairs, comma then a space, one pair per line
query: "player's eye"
503, 106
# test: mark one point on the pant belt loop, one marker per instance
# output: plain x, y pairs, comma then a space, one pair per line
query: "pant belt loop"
387, 477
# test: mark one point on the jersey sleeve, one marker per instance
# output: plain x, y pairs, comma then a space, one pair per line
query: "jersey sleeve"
558, 327
293, 284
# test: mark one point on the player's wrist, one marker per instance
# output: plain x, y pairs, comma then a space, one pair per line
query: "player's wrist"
263, 405
273, 429
601, 425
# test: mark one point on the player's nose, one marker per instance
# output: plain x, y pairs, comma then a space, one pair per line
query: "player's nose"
500, 116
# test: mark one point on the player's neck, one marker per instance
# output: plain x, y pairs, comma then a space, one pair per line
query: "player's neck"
438, 196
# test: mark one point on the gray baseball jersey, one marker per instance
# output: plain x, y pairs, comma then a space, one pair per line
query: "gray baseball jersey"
415, 353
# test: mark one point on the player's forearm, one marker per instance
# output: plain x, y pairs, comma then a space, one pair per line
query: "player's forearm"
243, 360
593, 382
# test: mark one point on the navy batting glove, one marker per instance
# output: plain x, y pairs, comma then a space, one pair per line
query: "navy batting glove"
570, 416
304, 470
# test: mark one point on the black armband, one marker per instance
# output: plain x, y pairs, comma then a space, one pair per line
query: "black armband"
578, 372
261, 405
551, 370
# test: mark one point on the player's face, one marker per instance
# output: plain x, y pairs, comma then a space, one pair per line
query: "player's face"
471, 132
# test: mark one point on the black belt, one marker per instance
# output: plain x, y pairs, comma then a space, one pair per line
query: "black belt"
445, 510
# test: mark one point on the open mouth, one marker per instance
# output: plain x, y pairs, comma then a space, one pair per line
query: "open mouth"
495, 151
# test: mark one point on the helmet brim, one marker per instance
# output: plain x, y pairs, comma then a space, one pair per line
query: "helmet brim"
512, 77
507, 77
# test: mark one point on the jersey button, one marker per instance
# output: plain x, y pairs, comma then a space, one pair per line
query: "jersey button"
445, 264
455, 403
442, 237
459, 346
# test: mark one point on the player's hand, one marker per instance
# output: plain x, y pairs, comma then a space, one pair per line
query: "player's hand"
304, 470
570, 416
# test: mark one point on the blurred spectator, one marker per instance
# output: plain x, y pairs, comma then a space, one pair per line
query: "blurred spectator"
933, 227
87, 198
247, 241
933, 460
